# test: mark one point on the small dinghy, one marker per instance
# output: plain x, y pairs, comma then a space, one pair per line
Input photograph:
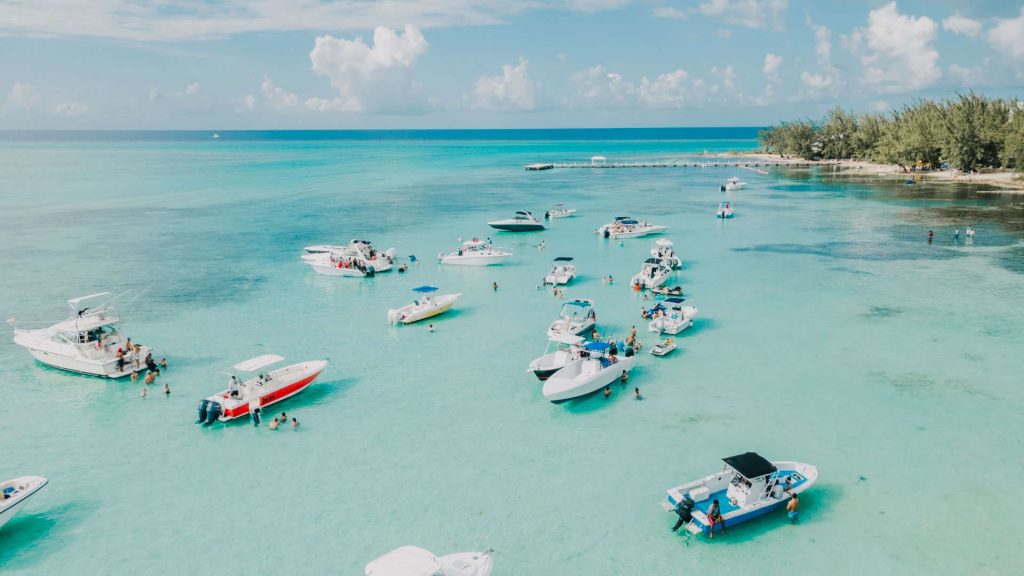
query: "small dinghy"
576, 317
664, 348
415, 561
627, 227
595, 369
733, 183
724, 210
474, 252
240, 398
664, 251
14, 493
654, 273
523, 221
749, 486
559, 211
427, 306
562, 272
675, 317
567, 349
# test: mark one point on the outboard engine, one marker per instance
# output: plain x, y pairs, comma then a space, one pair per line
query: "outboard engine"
369, 271
212, 413
607, 233
685, 508
203, 407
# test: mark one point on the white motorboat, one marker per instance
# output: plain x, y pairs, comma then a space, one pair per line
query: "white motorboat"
242, 397
593, 371
675, 317
663, 250
426, 306
415, 561
523, 221
88, 342
475, 252
663, 348
14, 493
562, 272
747, 487
733, 183
559, 211
576, 317
654, 273
626, 227
567, 349
357, 259
724, 210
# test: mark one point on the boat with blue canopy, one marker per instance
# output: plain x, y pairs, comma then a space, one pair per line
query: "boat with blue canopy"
426, 306
576, 317
595, 368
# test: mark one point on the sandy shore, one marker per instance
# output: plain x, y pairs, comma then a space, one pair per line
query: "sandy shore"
1003, 179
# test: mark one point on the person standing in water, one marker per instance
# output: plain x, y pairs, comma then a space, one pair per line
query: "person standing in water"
636, 392
607, 391
956, 234
256, 417
930, 235
791, 506
494, 286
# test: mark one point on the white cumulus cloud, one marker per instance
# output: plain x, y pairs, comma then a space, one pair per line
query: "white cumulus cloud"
749, 13
368, 77
23, 95
772, 63
70, 109
898, 55
1007, 36
826, 77
511, 90
670, 12
597, 87
958, 24
277, 97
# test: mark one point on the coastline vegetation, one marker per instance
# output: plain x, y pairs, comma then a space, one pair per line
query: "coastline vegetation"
968, 133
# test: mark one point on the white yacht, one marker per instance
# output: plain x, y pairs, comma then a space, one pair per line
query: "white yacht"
567, 349
14, 493
475, 252
523, 221
675, 317
576, 317
654, 273
663, 250
559, 211
426, 306
733, 183
416, 561
747, 487
626, 227
562, 272
356, 259
594, 370
724, 210
88, 342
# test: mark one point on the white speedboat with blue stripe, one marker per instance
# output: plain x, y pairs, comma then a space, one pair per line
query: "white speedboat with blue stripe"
747, 487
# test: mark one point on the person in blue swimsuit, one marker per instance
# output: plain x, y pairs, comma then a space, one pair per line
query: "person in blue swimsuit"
791, 507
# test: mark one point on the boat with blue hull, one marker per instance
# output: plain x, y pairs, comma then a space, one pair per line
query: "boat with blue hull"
747, 487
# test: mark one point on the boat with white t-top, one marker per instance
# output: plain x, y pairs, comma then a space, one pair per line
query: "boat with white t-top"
747, 487
674, 317
14, 493
567, 349
562, 272
357, 259
242, 397
724, 210
559, 211
427, 305
595, 369
653, 273
88, 342
522, 221
663, 250
576, 317
475, 252
733, 183
416, 561
627, 227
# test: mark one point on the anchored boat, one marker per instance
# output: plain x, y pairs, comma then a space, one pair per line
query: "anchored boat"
426, 306
664, 251
673, 318
523, 221
654, 273
724, 210
358, 259
242, 397
88, 342
627, 227
733, 183
14, 493
747, 487
559, 211
567, 349
562, 272
595, 369
575, 318
474, 252
415, 561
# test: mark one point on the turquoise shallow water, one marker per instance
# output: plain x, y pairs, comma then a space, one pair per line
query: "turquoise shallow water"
829, 332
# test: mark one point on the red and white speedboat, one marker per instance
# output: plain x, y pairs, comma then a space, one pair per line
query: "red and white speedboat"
240, 398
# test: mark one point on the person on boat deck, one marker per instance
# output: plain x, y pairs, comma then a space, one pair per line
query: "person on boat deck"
715, 517
259, 380
613, 347
629, 351
233, 386
791, 507
594, 335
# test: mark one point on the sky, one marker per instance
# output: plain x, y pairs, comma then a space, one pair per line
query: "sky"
367, 64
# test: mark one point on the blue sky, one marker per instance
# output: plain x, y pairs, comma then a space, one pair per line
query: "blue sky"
240, 64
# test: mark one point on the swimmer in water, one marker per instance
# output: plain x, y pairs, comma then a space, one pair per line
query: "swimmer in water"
430, 328
624, 378
607, 391
636, 394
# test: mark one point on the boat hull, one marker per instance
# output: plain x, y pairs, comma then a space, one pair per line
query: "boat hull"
103, 368
297, 377
508, 227
559, 327
10, 508
490, 260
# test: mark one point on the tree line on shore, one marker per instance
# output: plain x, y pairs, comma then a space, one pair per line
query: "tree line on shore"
969, 132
